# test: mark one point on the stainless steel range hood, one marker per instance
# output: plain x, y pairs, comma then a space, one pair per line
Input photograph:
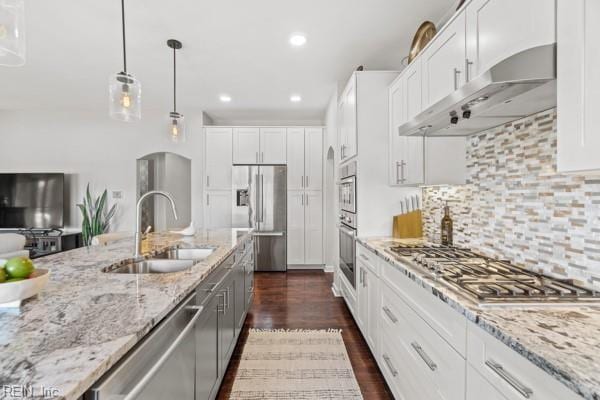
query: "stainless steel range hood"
521, 85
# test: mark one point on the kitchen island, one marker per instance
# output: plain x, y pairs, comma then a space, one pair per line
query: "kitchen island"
59, 343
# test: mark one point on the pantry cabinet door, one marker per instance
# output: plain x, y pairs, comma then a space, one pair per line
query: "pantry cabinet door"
218, 209
313, 156
578, 85
246, 145
313, 228
525, 24
273, 147
295, 227
444, 62
295, 158
397, 147
219, 143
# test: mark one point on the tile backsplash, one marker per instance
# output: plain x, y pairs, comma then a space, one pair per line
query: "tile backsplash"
515, 205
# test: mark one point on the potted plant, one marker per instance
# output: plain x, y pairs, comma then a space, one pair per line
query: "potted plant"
96, 218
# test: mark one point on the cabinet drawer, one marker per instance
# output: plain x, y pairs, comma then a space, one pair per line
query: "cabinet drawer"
509, 372
478, 388
446, 322
368, 258
401, 379
423, 351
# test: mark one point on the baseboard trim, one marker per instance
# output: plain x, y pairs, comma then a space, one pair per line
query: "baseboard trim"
335, 290
305, 266
329, 268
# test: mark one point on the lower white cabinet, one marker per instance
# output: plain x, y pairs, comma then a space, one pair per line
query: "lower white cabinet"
427, 351
217, 210
510, 373
305, 227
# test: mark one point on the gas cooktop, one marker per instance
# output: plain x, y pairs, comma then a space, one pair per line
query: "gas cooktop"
494, 282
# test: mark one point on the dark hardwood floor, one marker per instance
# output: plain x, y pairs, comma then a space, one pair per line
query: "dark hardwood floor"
304, 300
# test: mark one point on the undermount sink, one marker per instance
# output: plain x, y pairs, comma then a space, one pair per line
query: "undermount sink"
152, 266
195, 254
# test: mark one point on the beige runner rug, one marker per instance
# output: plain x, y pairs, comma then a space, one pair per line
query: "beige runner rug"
295, 364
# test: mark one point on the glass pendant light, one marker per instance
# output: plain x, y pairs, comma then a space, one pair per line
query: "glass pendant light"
12, 33
125, 92
176, 120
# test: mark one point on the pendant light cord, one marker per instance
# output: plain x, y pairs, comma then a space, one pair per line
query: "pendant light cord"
123, 24
174, 81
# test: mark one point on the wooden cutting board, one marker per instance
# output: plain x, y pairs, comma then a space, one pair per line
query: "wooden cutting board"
408, 226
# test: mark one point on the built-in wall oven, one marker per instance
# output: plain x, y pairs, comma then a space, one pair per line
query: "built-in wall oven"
347, 221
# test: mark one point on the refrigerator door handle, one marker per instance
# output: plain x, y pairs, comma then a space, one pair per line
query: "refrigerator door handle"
262, 198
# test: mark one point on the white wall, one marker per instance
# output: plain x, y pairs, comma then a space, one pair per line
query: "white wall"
330, 189
90, 147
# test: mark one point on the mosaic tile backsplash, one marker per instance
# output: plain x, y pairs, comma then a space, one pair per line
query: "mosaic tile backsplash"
515, 205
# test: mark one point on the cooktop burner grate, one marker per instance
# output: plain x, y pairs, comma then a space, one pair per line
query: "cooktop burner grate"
491, 281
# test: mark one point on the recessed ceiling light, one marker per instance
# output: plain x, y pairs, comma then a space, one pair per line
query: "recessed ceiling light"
225, 98
295, 98
298, 39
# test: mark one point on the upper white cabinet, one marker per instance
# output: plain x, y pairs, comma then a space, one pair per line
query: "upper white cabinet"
218, 145
413, 91
259, 145
272, 146
347, 123
305, 158
578, 85
218, 209
497, 29
443, 63
246, 145
406, 166
313, 164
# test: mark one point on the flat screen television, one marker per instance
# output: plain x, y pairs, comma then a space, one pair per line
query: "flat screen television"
31, 201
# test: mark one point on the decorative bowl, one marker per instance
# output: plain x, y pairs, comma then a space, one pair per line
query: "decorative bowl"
11, 293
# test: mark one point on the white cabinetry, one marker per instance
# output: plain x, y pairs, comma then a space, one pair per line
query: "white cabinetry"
406, 166
497, 29
218, 209
509, 372
246, 145
218, 145
443, 62
578, 85
259, 145
368, 297
347, 123
272, 146
305, 196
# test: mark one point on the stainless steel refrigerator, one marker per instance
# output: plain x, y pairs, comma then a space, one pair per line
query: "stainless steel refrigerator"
260, 202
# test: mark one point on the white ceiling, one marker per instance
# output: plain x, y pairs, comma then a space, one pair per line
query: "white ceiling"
237, 47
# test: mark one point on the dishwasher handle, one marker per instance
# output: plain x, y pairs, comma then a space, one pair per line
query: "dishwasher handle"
139, 387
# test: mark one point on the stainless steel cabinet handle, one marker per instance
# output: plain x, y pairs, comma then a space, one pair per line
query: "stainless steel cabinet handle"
365, 278
389, 364
364, 257
262, 157
456, 75
509, 378
468, 65
307, 200
139, 387
401, 178
307, 184
207, 180
360, 276
207, 199
432, 366
219, 308
398, 179
390, 315
302, 196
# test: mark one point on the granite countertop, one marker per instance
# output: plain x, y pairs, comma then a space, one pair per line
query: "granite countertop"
563, 341
64, 339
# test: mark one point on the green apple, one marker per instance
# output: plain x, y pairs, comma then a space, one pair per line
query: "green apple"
19, 267
2, 274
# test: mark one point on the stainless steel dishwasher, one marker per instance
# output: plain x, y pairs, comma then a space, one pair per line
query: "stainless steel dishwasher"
162, 367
